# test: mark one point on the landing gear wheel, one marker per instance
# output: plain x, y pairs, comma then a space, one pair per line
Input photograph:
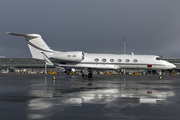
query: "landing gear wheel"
160, 77
90, 75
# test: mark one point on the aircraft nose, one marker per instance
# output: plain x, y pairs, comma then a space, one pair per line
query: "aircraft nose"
171, 66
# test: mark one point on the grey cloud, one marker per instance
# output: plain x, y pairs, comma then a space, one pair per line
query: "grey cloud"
150, 27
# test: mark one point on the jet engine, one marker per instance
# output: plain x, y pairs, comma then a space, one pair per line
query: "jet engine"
75, 56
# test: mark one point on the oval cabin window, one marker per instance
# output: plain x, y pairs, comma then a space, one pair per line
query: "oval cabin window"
119, 60
96, 59
104, 60
127, 60
111, 60
135, 60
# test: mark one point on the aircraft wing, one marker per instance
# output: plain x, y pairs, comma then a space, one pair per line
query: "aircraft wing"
46, 59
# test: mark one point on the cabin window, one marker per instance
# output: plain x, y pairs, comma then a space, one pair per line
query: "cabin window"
119, 60
104, 60
135, 60
96, 59
112, 60
127, 60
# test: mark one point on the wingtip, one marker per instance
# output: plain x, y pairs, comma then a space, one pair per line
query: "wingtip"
7, 33
10, 33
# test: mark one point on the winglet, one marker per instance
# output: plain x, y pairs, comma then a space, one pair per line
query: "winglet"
46, 59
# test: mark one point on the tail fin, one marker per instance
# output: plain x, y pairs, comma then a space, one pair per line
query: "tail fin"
36, 45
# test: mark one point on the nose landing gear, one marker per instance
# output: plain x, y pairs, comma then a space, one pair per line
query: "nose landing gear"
160, 77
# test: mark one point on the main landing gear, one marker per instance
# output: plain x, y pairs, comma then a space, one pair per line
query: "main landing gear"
87, 73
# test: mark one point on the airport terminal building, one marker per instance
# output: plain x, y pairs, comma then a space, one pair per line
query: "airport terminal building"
11, 65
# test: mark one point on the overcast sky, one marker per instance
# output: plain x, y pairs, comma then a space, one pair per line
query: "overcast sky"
92, 26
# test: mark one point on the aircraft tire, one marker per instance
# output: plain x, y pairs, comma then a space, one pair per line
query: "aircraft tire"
90, 75
160, 77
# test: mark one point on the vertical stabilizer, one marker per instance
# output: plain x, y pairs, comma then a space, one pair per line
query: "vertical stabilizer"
36, 45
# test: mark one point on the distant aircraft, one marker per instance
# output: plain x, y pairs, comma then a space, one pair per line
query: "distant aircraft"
88, 61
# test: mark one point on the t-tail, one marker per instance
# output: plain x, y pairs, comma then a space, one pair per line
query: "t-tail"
36, 45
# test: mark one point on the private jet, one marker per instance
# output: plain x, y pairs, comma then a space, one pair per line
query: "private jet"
88, 62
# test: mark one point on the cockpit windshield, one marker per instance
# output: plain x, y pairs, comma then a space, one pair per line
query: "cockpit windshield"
157, 58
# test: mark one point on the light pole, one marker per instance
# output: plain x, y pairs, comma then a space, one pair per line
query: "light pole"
124, 45
45, 71
124, 39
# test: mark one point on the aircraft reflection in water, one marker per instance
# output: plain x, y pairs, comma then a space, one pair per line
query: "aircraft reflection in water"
113, 94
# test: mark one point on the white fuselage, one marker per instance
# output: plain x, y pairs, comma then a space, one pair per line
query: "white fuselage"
120, 61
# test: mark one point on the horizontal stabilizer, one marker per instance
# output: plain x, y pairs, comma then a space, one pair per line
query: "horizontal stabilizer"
30, 36
46, 59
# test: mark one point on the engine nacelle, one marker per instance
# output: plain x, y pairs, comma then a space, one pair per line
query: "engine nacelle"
76, 56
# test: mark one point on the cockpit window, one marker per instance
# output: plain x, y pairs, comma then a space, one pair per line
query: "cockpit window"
82, 56
158, 58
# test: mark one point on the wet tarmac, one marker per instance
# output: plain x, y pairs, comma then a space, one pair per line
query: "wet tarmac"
101, 97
